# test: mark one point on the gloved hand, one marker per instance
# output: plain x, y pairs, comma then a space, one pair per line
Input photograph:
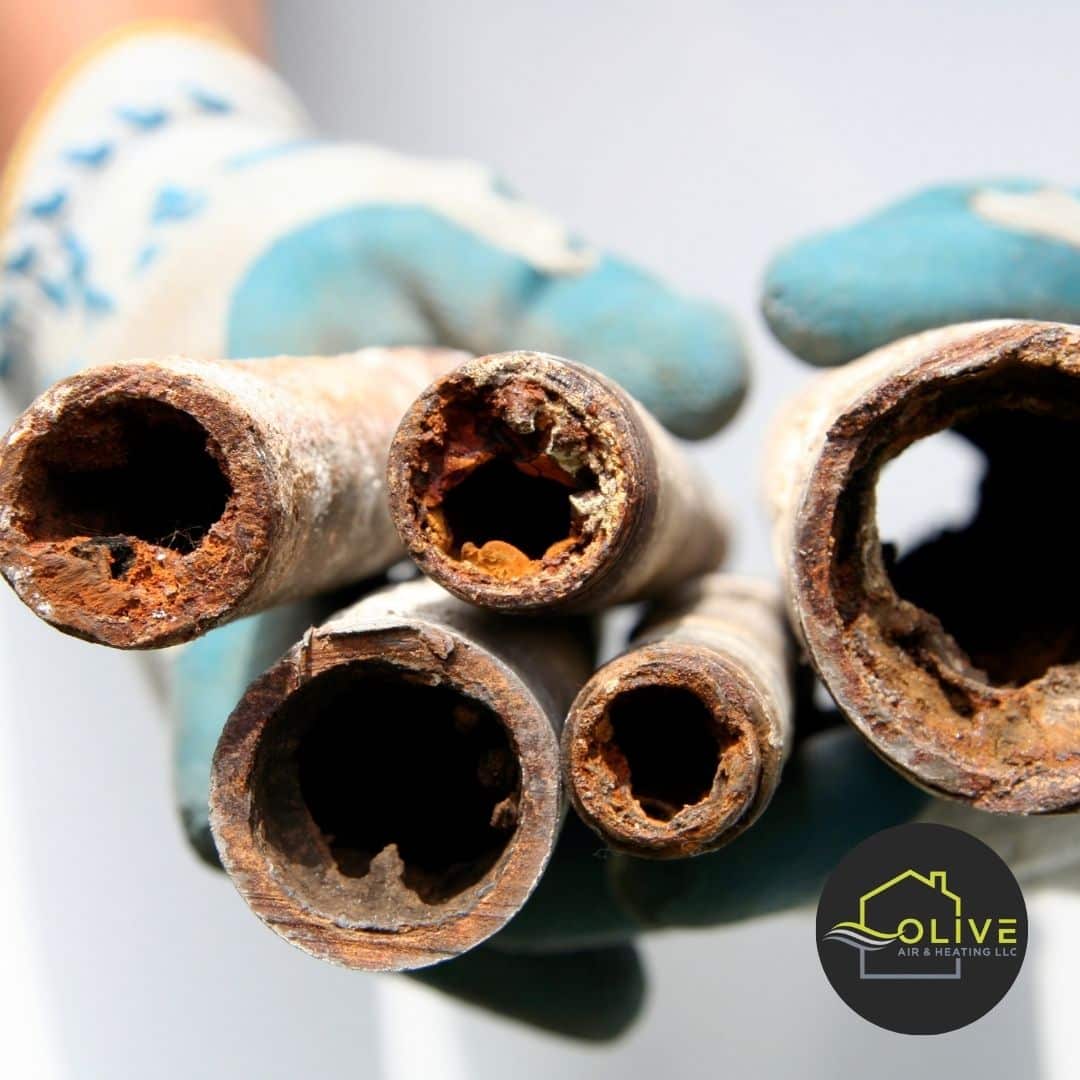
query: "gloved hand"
949, 254
173, 198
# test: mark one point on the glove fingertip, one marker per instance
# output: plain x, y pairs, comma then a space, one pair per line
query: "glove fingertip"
947, 254
682, 358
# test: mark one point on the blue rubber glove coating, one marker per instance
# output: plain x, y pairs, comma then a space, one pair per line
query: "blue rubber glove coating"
929, 260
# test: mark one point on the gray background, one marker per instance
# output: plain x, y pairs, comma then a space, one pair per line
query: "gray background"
694, 138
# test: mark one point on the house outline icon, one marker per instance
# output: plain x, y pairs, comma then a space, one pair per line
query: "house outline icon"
936, 881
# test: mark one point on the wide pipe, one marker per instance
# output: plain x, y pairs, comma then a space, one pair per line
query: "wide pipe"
388, 794
524, 482
144, 502
958, 661
675, 747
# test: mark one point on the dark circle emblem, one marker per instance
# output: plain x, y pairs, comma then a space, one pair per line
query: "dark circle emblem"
922, 929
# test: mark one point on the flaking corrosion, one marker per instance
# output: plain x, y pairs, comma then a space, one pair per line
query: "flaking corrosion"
143, 502
523, 482
959, 661
675, 747
388, 794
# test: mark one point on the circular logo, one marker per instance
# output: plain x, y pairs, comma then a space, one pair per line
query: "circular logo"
922, 929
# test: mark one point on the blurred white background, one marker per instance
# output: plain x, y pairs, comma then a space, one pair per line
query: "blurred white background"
695, 138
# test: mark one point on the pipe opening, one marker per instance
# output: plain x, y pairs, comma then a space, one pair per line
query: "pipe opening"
931, 487
510, 502
997, 597
124, 469
384, 796
506, 485
669, 743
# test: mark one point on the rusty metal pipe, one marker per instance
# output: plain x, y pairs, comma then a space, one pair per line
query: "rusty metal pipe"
960, 661
524, 482
144, 502
675, 747
388, 794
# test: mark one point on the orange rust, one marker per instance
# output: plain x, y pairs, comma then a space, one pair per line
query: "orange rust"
542, 465
501, 560
82, 572
504, 562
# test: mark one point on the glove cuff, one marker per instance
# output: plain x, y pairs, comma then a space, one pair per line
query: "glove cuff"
136, 80
120, 150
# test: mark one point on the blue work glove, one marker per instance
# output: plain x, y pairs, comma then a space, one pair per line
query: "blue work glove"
173, 198
949, 254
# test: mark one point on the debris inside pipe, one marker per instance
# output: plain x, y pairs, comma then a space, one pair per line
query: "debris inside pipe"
675, 747
523, 482
960, 660
388, 794
144, 502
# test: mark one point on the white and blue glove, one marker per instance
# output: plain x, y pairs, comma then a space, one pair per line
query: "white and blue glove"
172, 197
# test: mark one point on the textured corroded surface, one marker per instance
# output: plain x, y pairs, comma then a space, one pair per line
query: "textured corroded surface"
638, 519
1005, 743
723, 640
524, 675
298, 446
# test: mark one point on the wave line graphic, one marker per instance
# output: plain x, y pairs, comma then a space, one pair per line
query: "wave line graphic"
860, 937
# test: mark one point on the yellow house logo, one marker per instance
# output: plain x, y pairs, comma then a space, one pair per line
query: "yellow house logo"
938, 944
914, 927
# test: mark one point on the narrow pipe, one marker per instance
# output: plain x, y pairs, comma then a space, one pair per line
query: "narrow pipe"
524, 482
144, 502
675, 747
388, 794
958, 661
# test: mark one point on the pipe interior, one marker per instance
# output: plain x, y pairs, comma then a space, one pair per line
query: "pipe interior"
504, 495
505, 500
1004, 585
121, 469
390, 784
669, 741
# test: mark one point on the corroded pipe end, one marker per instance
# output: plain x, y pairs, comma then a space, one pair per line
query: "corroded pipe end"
135, 508
661, 750
386, 798
959, 662
518, 481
